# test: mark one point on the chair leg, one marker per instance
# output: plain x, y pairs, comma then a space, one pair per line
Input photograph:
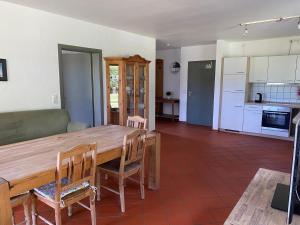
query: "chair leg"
69, 210
142, 187
93, 210
27, 211
122, 197
98, 183
33, 209
57, 215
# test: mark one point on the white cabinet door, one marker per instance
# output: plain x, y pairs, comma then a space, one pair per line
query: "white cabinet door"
252, 121
258, 69
235, 66
232, 110
298, 70
232, 118
231, 99
234, 83
282, 69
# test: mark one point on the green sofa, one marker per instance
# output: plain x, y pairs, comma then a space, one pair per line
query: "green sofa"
28, 125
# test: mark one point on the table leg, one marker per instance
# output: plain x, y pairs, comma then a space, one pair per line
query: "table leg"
173, 116
5, 205
154, 164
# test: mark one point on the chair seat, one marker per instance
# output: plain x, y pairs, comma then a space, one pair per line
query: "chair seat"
114, 166
48, 190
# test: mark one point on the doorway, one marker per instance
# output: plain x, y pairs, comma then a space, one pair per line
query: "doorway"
200, 94
81, 84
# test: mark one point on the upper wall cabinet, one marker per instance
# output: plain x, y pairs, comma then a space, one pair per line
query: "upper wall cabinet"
282, 69
235, 66
298, 70
259, 69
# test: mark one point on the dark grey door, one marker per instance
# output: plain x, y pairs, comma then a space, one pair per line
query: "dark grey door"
200, 99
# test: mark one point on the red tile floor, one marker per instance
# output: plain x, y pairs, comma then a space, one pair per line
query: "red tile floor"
203, 174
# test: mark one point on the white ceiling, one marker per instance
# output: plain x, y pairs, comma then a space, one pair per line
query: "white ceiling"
180, 22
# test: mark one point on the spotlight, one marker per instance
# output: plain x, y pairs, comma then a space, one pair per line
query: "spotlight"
246, 31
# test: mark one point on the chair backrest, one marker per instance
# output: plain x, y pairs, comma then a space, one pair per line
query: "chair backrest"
137, 122
133, 148
80, 164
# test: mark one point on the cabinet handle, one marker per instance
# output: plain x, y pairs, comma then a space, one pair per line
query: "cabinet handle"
238, 106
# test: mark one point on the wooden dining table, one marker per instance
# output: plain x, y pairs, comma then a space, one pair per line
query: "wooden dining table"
31, 164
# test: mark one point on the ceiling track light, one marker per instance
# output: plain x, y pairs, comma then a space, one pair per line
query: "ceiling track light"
280, 19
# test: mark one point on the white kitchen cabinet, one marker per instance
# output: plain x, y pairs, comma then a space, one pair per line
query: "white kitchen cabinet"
252, 119
232, 118
236, 83
298, 70
282, 69
232, 110
235, 66
259, 69
231, 99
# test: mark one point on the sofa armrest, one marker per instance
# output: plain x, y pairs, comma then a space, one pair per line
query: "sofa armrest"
76, 126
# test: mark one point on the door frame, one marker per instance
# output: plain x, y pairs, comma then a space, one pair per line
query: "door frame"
91, 51
187, 93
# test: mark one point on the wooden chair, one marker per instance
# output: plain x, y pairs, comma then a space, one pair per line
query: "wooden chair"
130, 163
67, 190
137, 122
24, 200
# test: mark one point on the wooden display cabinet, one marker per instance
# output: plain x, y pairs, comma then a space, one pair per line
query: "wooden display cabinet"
127, 88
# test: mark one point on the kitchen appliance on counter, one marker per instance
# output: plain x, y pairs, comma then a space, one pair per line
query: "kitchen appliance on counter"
276, 120
258, 98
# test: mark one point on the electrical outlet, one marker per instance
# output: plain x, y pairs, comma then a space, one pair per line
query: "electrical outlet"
54, 99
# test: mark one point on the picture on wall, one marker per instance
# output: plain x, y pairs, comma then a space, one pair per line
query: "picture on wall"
3, 72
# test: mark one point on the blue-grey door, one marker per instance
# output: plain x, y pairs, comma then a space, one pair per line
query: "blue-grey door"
200, 99
78, 87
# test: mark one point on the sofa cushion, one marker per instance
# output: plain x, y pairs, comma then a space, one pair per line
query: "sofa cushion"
27, 125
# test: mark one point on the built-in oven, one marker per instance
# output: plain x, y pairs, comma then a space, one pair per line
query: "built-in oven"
276, 120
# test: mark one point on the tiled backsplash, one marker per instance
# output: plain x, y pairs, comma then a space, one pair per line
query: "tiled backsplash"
276, 93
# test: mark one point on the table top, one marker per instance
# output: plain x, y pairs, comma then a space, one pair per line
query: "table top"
167, 100
254, 207
32, 157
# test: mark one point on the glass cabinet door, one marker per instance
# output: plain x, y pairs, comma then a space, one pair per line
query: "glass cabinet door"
142, 91
114, 93
130, 89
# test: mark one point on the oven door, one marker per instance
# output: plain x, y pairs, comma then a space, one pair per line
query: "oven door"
276, 120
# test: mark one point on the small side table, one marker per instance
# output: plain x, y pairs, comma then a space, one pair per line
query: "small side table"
160, 102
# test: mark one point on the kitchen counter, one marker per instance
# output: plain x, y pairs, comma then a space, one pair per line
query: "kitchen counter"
290, 105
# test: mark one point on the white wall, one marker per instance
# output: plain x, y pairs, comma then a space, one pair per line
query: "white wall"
275, 46
188, 54
221, 51
171, 80
29, 40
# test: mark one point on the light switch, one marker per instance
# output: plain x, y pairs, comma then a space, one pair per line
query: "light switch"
54, 99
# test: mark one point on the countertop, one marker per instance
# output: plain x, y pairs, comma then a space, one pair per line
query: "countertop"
290, 105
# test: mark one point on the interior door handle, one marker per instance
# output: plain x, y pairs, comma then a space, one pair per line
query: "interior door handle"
190, 93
